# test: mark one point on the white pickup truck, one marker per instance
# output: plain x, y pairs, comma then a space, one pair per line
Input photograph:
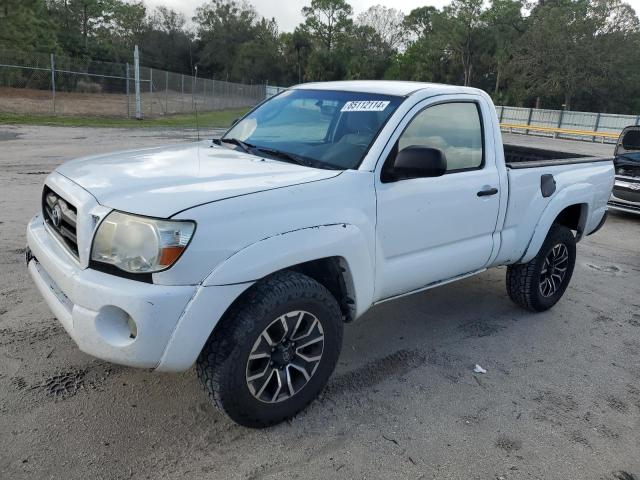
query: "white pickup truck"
246, 255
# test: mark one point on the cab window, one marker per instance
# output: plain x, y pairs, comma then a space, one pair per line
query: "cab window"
454, 128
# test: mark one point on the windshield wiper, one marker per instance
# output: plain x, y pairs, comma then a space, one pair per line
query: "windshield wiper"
247, 147
286, 156
290, 157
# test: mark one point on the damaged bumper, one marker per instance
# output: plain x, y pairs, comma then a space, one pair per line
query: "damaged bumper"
121, 320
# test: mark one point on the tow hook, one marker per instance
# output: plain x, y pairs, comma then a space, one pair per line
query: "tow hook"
28, 256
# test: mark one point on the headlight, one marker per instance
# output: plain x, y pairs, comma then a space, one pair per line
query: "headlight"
140, 244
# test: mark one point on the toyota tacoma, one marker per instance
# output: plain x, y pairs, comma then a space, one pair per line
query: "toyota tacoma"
246, 255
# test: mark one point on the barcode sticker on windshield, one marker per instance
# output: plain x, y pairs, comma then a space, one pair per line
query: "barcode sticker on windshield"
365, 106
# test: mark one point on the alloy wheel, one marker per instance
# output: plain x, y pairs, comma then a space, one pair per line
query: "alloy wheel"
554, 269
285, 356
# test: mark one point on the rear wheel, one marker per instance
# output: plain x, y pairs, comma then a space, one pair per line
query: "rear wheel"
274, 351
540, 283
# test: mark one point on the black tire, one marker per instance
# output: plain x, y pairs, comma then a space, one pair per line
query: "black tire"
223, 364
524, 280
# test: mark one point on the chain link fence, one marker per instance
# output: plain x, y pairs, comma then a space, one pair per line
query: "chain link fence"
36, 83
165, 93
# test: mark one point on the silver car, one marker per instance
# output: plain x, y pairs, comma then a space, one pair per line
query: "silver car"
626, 191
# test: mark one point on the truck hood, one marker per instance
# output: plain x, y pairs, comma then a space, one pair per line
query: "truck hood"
163, 181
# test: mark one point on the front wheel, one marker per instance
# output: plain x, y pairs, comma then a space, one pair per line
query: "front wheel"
274, 351
540, 283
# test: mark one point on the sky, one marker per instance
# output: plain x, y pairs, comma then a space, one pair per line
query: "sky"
287, 12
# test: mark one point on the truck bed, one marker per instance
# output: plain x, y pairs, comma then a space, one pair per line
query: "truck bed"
519, 156
538, 182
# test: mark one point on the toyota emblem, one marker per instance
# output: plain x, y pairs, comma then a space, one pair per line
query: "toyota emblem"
56, 215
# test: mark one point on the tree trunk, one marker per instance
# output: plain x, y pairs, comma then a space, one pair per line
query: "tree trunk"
497, 89
467, 66
567, 101
538, 102
85, 26
468, 70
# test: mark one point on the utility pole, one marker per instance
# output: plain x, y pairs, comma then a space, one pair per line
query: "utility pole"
53, 82
194, 85
166, 92
136, 68
128, 93
151, 91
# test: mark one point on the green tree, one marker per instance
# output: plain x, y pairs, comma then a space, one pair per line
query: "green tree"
419, 22
328, 21
425, 60
25, 25
295, 49
258, 60
506, 25
165, 42
561, 54
126, 22
369, 54
222, 26
461, 29
103, 29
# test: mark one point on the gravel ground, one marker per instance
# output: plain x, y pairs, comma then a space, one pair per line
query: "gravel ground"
30, 101
561, 398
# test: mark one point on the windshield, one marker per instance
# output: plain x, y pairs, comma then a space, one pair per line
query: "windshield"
323, 129
628, 147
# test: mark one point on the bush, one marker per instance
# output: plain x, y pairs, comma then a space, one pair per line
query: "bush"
87, 86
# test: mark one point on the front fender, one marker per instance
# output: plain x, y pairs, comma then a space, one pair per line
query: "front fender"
284, 250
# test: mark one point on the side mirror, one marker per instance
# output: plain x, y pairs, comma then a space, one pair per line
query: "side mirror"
416, 162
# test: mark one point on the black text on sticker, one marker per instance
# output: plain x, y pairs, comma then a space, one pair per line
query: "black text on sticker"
365, 106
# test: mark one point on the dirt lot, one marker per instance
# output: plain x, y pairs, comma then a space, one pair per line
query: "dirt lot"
561, 399
31, 101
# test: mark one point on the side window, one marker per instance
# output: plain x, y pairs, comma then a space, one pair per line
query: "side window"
454, 128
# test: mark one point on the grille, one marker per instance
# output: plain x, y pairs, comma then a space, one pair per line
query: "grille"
628, 171
630, 194
61, 217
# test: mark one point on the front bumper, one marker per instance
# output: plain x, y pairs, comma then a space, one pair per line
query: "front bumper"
623, 207
120, 320
625, 196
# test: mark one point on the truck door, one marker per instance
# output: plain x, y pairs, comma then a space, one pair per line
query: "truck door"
433, 229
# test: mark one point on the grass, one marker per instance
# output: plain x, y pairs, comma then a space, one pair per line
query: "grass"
206, 119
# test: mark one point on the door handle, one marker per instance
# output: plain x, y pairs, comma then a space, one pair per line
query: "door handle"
487, 192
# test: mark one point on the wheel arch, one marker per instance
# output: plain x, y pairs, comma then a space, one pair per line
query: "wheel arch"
337, 256
335, 274
573, 215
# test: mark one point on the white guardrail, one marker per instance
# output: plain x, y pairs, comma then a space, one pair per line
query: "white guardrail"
589, 126
604, 127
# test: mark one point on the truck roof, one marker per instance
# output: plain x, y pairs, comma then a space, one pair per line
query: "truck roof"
387, 87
